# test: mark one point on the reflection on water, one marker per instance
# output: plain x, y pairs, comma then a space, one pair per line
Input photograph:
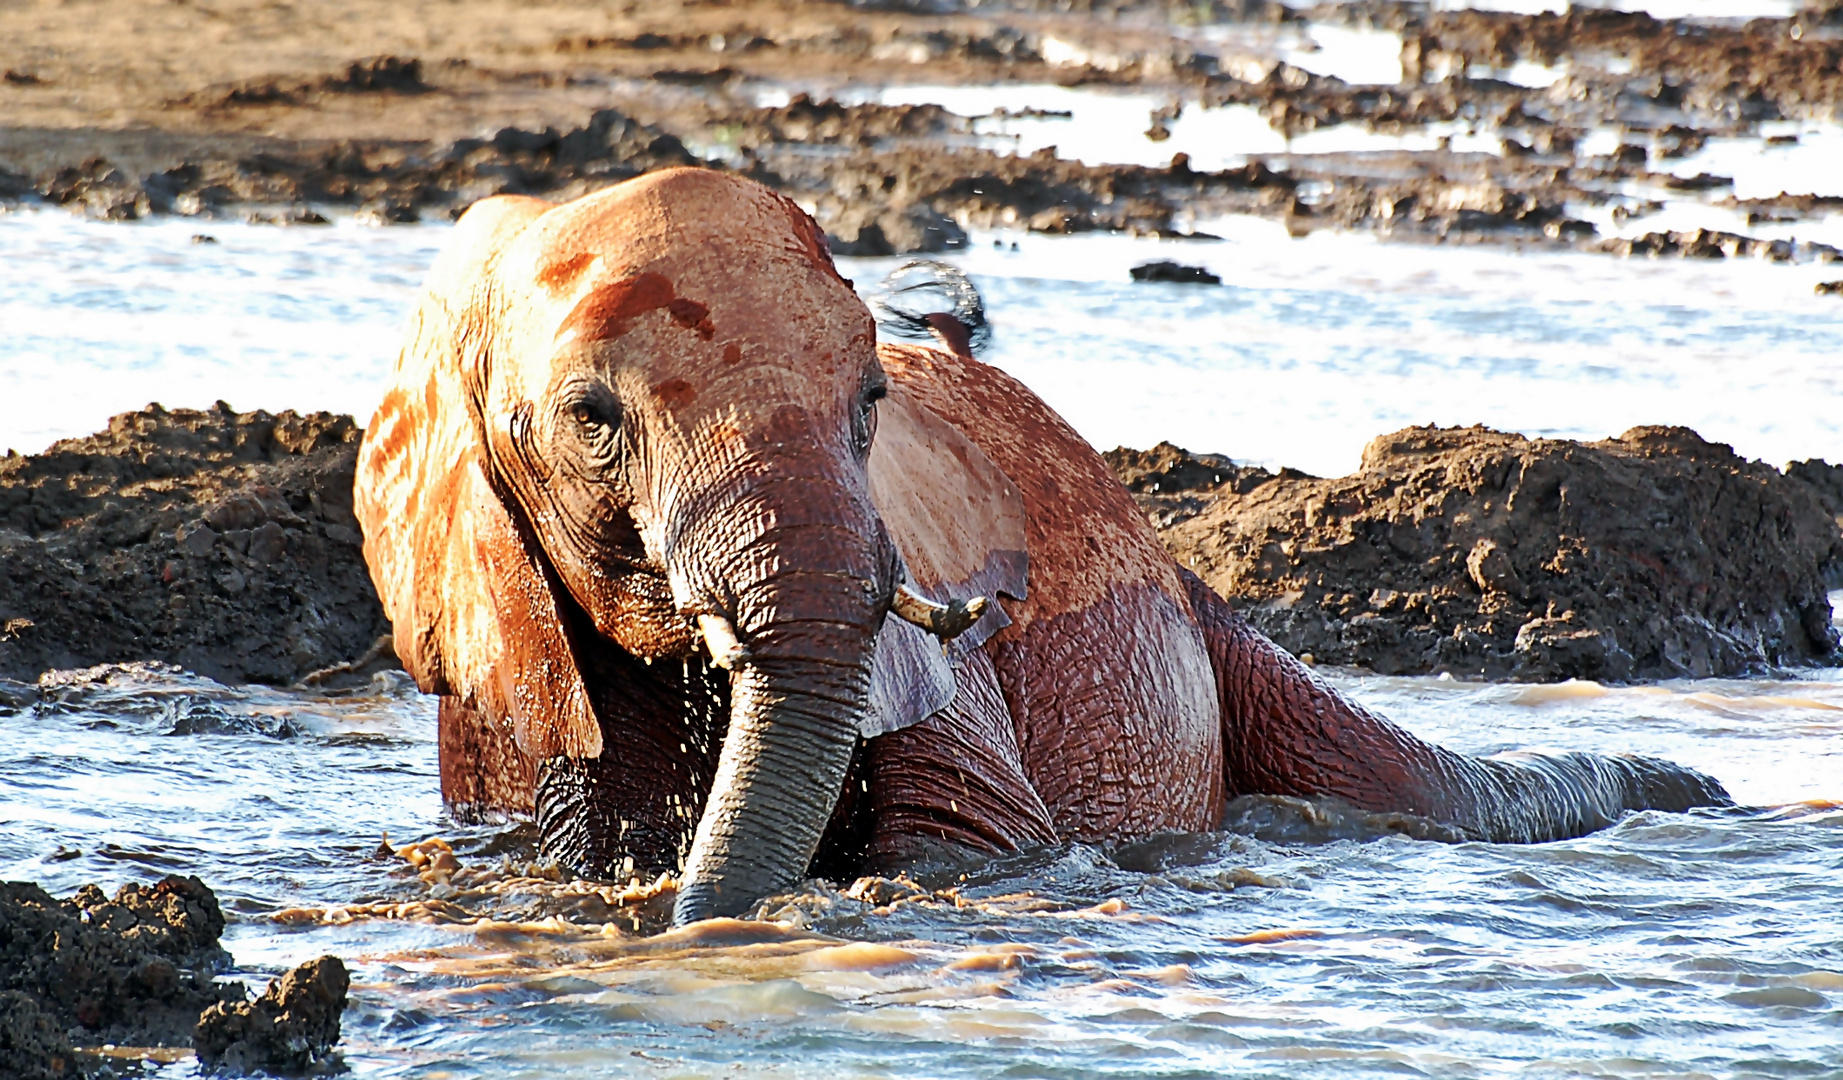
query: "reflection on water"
1705, 944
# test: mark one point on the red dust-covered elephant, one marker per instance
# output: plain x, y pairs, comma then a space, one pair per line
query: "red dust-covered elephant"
709, 580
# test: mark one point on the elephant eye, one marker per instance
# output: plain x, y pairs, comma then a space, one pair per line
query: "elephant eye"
595, 414
864, 425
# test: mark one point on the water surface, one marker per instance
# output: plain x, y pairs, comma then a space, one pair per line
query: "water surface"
1308, 349
1669, 945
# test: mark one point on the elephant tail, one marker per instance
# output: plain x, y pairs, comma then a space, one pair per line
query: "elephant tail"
1287, 732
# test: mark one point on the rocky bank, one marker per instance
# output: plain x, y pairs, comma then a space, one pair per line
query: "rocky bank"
220, 541
1485, 554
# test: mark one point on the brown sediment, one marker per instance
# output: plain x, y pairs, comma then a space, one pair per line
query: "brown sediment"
1652, 555
422, 110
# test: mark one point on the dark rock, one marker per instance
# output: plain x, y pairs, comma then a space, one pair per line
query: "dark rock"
220, 541
1165, 270
1713, 244
291, 1028
373, 75
1653, 555
915, 229
1828, 288
135, 969
100, 190
33, 1045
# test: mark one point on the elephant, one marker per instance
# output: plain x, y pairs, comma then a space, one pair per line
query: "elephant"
710, 581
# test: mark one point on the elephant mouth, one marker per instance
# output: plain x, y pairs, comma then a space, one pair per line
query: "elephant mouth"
633, 811
671, 794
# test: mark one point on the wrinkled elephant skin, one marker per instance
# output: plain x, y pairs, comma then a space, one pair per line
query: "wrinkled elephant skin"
674, 539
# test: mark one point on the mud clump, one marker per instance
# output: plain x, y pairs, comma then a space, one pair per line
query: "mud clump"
135, 969
1480, 553
289, 1029
1179, 273
221, 541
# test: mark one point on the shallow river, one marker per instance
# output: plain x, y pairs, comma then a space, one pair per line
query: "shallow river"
1702, 945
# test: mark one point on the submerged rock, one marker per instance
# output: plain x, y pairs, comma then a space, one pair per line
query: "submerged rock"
1166, 270
220, 541
1653, 555
135, 969
290, 1029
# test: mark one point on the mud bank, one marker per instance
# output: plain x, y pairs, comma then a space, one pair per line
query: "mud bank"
374, 110
220, 541
1484, 554
224, 542
136, 970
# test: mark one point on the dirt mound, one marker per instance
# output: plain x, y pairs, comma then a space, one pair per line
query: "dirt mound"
292, 1027
134, 970
221, 541
1653, 555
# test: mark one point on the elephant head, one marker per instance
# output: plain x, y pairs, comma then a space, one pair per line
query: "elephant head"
649, 415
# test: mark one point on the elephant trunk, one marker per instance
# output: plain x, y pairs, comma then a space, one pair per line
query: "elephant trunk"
782, 767
799, 648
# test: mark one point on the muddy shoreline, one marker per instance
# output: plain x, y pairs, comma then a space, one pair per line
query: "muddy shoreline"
307, 113
1486, 555
224, 543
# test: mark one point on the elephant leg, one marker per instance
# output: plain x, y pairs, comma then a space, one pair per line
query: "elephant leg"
484, 776
955, 780
1287, 733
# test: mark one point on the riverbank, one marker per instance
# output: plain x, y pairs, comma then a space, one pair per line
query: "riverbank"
224, 543
1551, 131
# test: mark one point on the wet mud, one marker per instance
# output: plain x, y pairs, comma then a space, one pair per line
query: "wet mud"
291, 1029
397, 127
1654, 555
219, 541
134, 969
224, 543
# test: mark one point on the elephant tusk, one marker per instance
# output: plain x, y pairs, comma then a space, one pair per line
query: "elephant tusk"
720, 638
945, 621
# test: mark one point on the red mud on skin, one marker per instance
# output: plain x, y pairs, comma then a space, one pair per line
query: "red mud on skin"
611, 310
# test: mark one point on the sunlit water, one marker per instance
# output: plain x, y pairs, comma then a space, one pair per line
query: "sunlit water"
1308, 349
1705, 945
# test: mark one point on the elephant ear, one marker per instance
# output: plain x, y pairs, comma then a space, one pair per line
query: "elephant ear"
958, 521
473, 607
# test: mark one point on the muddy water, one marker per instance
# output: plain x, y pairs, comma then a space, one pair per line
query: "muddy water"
1305, 943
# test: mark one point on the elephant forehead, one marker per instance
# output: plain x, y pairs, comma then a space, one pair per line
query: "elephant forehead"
715, 239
